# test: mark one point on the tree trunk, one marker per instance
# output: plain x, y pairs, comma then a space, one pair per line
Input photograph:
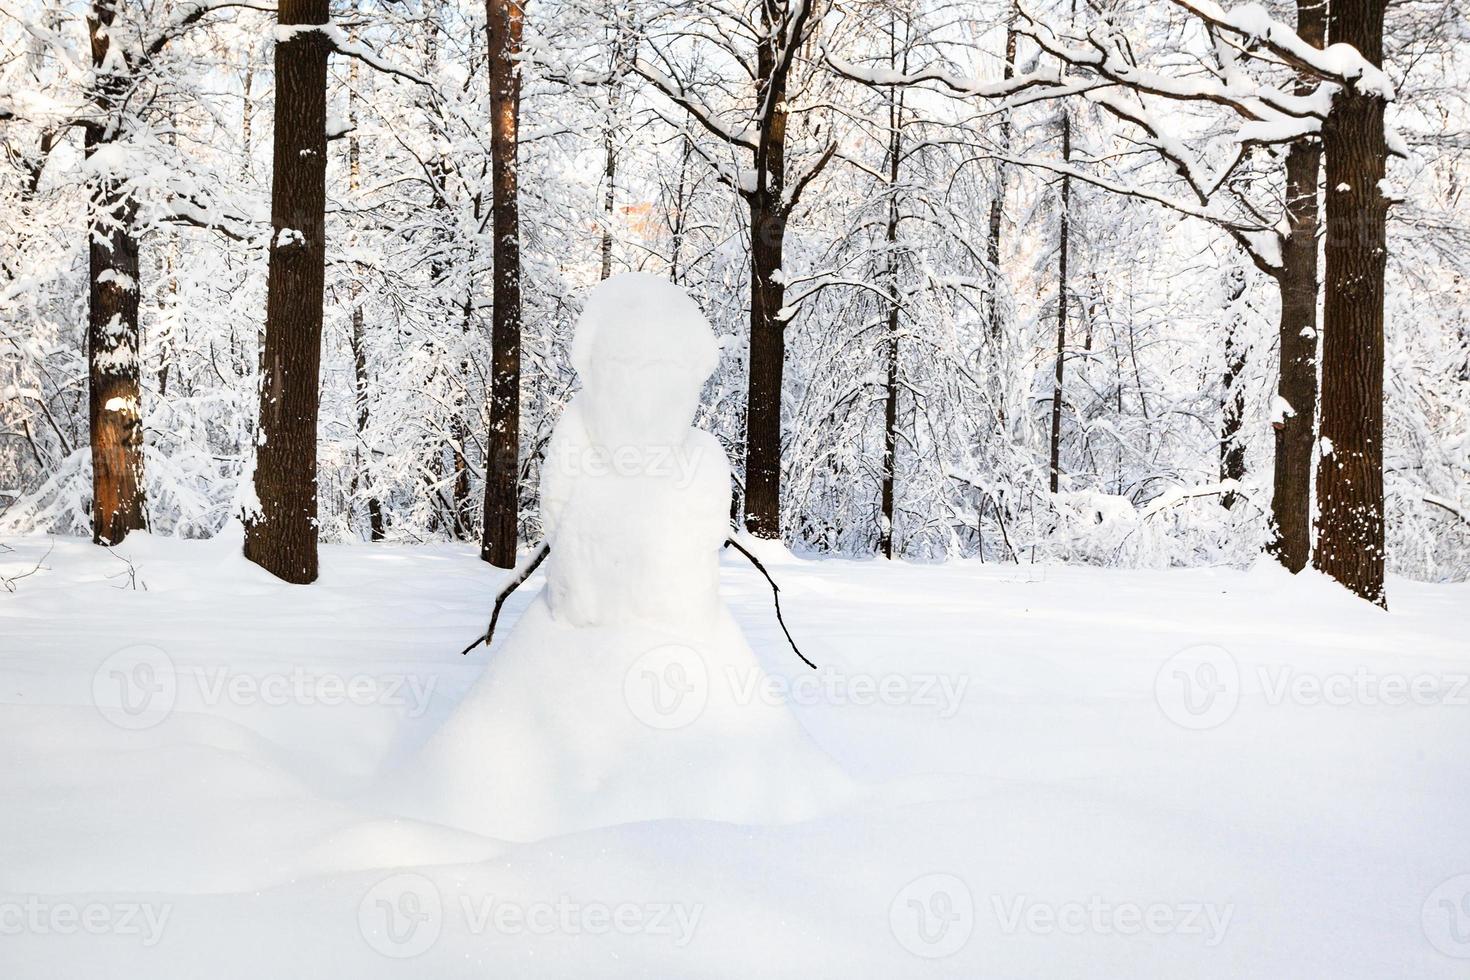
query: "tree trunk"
768, 215
1232, 399
890, 393
502, 463
281, 535
359, 327
1062, 248
609, 143
1350, 535
997, 203
114, 371
1291, 495
767, 363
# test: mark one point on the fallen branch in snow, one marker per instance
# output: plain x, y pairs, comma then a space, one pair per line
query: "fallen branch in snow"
775, 597
522, 572
8, 582
131, 572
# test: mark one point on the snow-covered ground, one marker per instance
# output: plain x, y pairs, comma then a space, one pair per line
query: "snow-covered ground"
1163, 774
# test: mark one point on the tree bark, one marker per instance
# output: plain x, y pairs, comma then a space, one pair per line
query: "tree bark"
1291, 495
768, 215
890, 393
502, 498
1350, 534
281, 536
767, 365
1062, 248
359, 327
114, 371
1232, 399
997, 203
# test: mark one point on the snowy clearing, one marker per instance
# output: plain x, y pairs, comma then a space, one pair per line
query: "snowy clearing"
191, 768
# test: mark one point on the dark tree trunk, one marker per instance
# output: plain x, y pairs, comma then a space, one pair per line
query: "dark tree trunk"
281, 536
767, 364
610, 144
768, 214
459, 435
1350, 536
1291, 495
359, 330
997, 203
1232, 399
114, 371
890, 392
1062, 249
502, 463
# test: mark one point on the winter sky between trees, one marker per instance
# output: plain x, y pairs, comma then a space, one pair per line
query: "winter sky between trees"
1084, 387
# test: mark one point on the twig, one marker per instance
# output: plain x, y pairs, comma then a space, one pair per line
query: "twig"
523, 572
775, 597
131, 572
8, 582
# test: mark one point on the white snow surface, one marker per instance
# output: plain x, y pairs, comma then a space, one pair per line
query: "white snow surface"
223, 823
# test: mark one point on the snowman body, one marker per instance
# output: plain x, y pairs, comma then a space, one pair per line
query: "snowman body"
626, 691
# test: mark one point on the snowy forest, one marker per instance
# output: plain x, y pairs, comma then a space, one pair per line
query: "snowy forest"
1080, 282
957, 488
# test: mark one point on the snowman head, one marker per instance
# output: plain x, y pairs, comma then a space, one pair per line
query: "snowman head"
643, 351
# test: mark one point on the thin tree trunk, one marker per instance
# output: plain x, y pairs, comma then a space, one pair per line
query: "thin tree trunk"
679, 218
1350, 534
609, 145
1062, 248
114, 371
1232, 407
1291, 494
502, 503
767, 364
359, 327
281, 536
997, 203
890, 394
768, 216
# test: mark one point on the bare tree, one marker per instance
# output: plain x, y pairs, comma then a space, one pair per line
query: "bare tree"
1350, 535
281, 535
779, 29
502, 462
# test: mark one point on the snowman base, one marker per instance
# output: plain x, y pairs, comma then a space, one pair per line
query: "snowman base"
575, 727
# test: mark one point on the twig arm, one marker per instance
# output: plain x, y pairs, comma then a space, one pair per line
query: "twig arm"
522, 572
775, 597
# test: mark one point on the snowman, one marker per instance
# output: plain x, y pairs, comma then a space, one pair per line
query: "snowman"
626, 691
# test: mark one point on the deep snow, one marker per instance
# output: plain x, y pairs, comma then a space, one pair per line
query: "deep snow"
1107, 816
